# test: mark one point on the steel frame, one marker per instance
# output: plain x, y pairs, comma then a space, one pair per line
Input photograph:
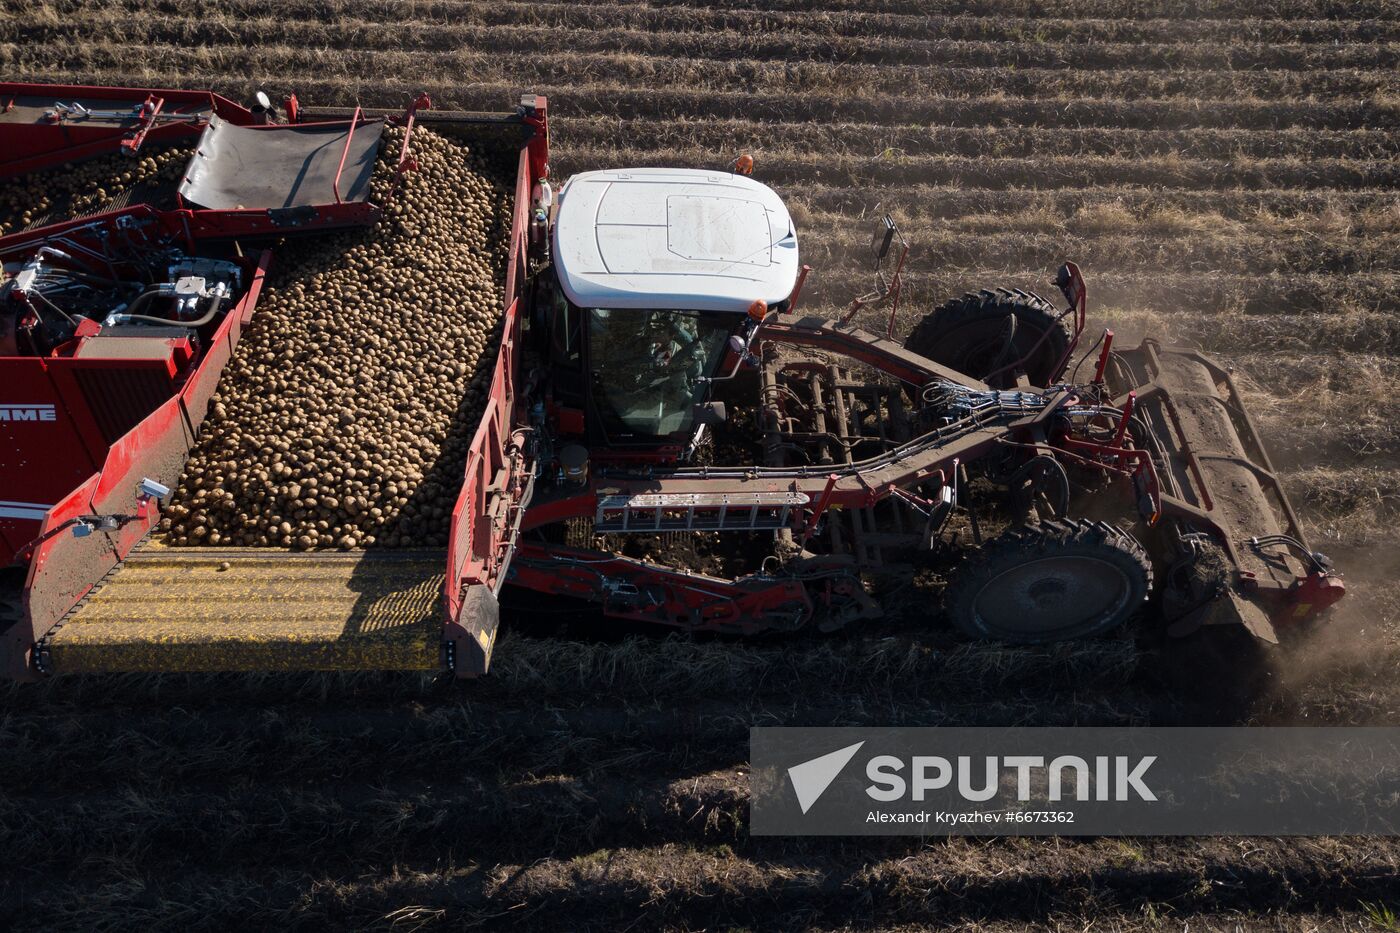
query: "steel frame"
498, 503
498, 476
1040, 423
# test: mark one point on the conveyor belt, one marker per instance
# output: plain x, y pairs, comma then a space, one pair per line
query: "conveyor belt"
158, 193
206, 609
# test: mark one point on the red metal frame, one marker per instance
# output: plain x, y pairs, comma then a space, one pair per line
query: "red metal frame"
1105, 352
497, 478
64, 568
349, 138
494, 503
882, 353
858, 485
72, 444
823, 503
490, 506
29, 146
406, 162
797, 288
536, 117
146, 118
487, 507
1292, 600
653, 594
165, 223
1077, 293
633, 589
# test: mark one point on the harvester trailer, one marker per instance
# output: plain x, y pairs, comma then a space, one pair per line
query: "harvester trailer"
656, 385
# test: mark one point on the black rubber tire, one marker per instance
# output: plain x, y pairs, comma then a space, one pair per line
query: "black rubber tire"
995, 584
11, 596
968, 334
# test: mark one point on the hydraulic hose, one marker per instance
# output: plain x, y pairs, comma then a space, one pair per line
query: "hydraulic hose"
209, 315
140, 301
66, 316
1053, 468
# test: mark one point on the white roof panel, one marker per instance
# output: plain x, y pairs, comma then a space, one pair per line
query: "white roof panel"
673, 238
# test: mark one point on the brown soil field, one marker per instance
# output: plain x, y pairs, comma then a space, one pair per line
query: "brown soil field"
1225, 173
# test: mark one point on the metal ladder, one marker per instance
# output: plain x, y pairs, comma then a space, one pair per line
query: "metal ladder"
657, 512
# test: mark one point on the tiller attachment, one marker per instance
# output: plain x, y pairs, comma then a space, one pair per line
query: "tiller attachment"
1235, 548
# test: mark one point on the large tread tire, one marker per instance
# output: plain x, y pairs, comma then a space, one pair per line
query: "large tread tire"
1092, 568
968, 334
11, 597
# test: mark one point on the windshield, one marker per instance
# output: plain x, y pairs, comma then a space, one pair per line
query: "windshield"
647, 367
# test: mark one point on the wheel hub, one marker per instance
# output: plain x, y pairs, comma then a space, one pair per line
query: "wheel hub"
1053, 594
1046, 593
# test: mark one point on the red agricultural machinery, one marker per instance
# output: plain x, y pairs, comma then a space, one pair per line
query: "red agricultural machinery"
659, 407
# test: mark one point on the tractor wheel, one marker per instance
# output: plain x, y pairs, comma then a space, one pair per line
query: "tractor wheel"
11, 597
983, 333
1050, 581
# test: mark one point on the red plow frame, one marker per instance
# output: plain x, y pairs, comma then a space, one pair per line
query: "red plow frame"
63, 568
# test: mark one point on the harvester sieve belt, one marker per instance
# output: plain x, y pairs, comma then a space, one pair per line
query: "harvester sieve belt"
245, 609
991, 413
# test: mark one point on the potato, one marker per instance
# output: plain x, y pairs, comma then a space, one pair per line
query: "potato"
340, 421
84, 187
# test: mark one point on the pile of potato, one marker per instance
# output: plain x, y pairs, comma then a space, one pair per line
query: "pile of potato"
85, 187
344, 418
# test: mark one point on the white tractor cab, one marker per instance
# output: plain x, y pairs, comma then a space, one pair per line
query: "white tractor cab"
656, 281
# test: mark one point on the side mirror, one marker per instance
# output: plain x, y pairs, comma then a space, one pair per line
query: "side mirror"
147, 492
150, 489
883, 238
711, 413
1071, 283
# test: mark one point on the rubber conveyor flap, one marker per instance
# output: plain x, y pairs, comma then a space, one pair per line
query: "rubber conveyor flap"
280, 166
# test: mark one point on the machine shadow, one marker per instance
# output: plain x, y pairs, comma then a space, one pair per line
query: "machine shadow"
424, 519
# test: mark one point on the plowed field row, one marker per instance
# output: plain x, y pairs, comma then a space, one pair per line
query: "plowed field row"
1354, 23
1106, 68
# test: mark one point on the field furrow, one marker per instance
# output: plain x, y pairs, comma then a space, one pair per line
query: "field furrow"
1189, 10
742, 23
1296, 307
963, 882
325, 76
890, 168
1156, 210
876, 140
967, 70
752, 57
1161, 20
